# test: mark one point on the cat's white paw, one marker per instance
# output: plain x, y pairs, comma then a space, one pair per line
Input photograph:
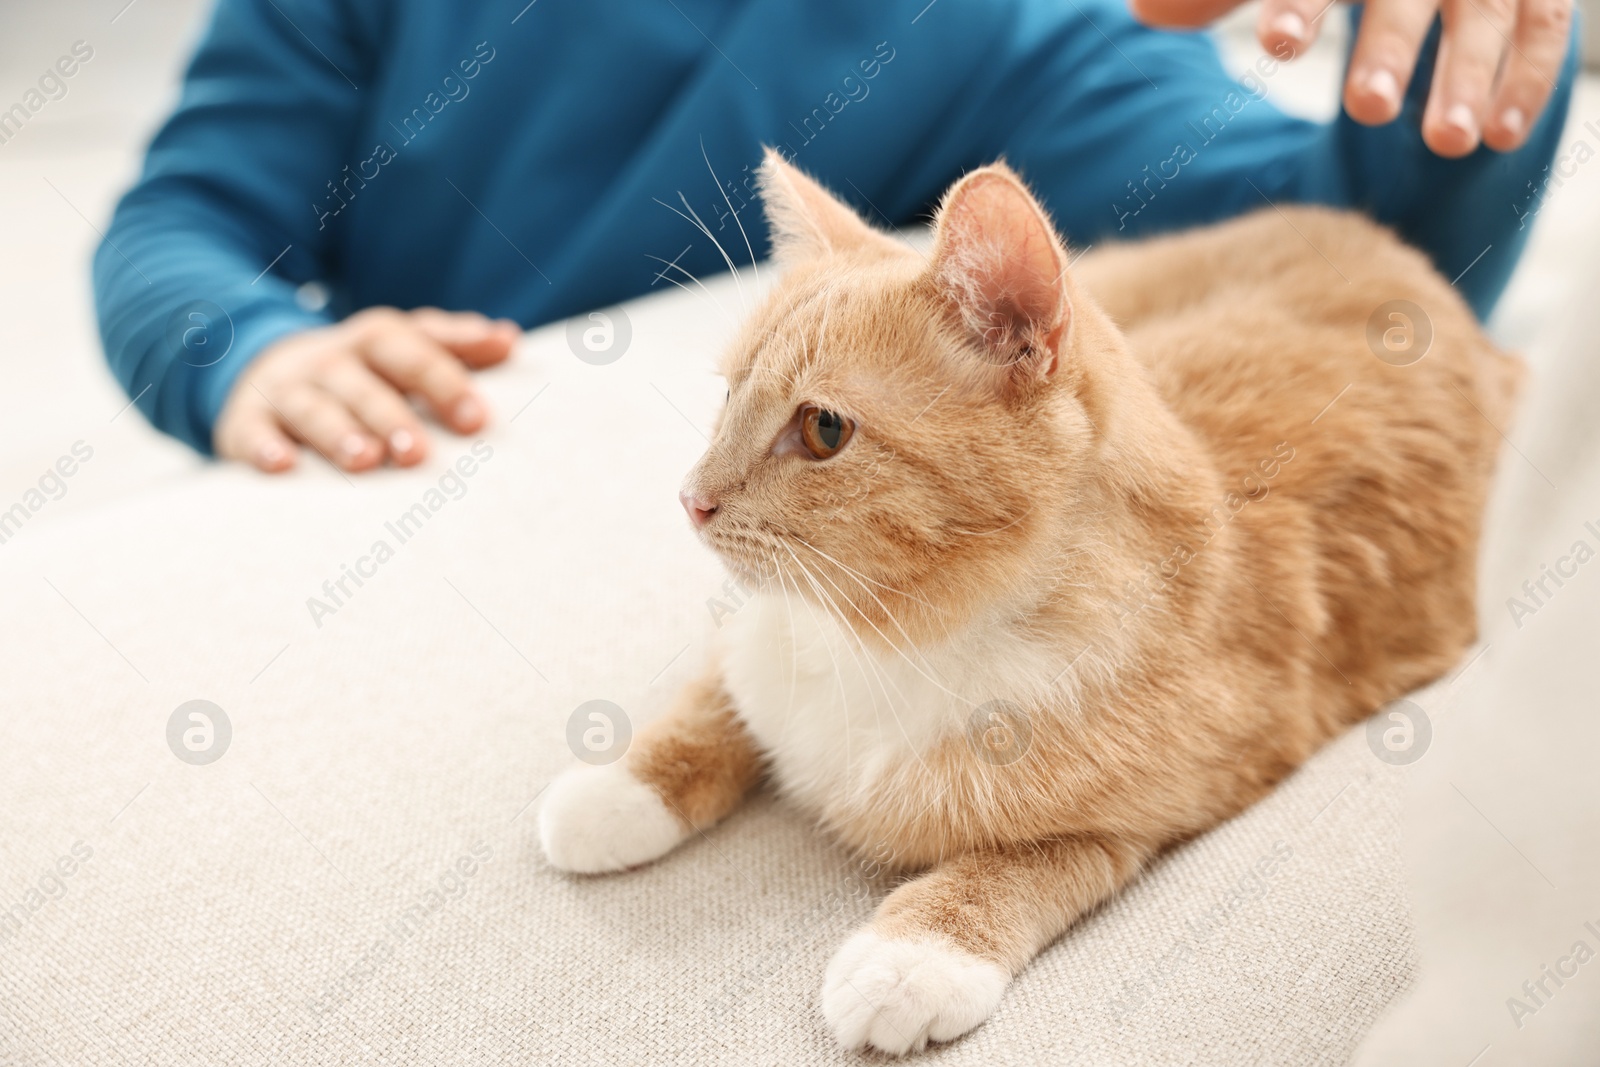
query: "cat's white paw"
898, 995
597, 819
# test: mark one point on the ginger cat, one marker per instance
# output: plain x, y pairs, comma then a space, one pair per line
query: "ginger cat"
1055, 567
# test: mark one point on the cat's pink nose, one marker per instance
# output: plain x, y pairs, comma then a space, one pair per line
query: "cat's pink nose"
700, 506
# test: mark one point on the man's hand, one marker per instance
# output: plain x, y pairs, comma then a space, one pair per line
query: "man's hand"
1498, 59
342, 389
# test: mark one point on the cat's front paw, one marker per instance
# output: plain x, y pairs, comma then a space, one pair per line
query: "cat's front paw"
898, 995
597, 819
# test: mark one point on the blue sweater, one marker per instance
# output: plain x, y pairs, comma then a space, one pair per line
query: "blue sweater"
531, 160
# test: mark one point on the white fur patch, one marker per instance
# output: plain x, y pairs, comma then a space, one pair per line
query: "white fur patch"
899, 995
835, 717
596, 819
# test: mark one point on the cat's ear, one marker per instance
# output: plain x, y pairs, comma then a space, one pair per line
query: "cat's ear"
1001, 270
807, 221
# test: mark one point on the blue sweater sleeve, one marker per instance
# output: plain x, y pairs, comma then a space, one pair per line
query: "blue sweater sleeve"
200, 267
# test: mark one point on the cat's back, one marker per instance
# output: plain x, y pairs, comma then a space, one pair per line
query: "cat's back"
1318, 335
1307, 325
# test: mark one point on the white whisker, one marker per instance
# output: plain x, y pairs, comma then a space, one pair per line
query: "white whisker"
887, 613
693, 219
838, 675
861, 577
665, 277
753, 268
858, 651
897, 649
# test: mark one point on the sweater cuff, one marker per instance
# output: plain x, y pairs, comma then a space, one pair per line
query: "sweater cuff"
250, 336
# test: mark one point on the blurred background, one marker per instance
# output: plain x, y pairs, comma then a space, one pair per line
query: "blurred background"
60, 177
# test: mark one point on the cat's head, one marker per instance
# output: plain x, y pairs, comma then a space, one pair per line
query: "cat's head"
903, 430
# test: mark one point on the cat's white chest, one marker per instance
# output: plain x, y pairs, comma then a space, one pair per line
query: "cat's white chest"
835, 714
831, 714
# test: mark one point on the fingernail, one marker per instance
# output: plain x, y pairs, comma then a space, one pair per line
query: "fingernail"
1513, 120
401, 441
468, 411
1460, 116
271, 453
1385, 86
353, 445
1290, 25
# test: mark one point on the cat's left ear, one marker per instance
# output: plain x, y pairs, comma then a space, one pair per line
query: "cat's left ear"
1000, 268
806, 221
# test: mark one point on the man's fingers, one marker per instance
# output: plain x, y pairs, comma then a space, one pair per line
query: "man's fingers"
250, 433
1475, 37
1180, 13
343, 390
477, 340
1287, 27
1538, 48
492, 349
323, 421
418, 364
380, 407
1385, 55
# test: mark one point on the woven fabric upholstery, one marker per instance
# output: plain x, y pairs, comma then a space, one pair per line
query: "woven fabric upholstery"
303, 899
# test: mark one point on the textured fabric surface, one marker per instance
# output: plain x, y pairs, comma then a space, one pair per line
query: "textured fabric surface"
1501, 817
405, 730
356, 879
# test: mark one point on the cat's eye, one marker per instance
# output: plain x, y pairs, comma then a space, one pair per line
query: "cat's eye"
824, 432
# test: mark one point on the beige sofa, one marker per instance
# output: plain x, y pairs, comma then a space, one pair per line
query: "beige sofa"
355, 879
